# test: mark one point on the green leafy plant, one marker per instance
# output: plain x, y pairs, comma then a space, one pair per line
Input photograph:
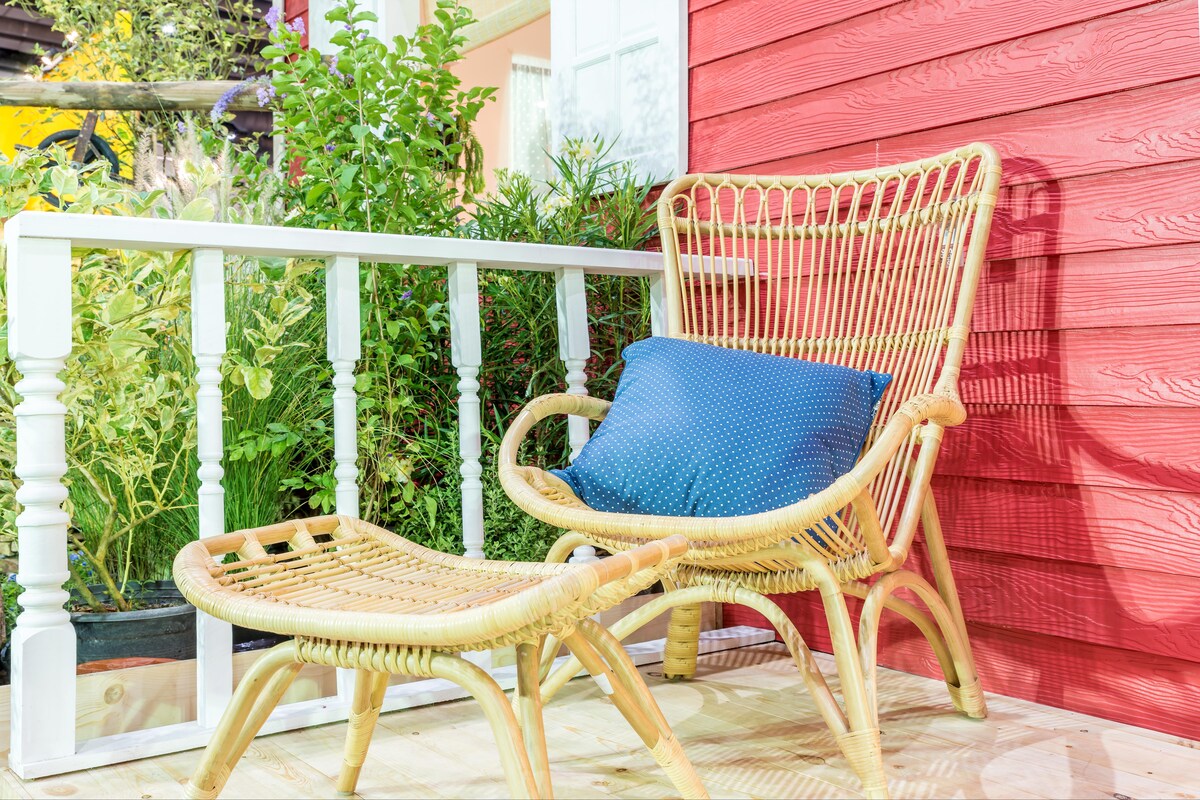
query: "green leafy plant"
130, 391
380, 140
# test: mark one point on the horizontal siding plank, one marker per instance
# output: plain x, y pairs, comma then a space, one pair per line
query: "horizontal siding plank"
724, 28
1125, 528
1135, 48
1117, 684
1143, 286
882, 40
1111, 211
1141, 367
1156, 124
1155, 448
1150, 612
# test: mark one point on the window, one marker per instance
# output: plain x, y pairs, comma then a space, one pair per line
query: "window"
529, 117
619, 69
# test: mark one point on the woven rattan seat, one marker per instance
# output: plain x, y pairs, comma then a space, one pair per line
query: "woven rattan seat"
870, 270
356, 596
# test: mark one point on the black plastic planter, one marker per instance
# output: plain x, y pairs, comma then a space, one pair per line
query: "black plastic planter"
167, 632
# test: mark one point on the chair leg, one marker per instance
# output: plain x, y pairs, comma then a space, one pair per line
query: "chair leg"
861, 743
683, 643
529, 708
967, 695
257, 694
498, 710
606, 661
369, 689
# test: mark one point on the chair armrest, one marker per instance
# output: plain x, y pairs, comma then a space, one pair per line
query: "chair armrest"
710, 536
941, 409
537, 410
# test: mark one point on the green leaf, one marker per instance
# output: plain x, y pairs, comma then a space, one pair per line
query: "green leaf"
120, 305
199, 210
315, 193
128, 344
258, 381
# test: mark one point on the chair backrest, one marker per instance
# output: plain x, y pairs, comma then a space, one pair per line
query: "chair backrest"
874, 269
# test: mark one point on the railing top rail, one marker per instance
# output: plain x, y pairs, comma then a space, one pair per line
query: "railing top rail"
139, 233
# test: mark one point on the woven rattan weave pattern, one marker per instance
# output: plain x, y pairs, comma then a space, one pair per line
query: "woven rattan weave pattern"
358, 597
874, 270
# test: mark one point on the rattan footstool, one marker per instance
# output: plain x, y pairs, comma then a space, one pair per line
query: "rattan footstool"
356, 596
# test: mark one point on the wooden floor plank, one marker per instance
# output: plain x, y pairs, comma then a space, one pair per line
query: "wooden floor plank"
746, 723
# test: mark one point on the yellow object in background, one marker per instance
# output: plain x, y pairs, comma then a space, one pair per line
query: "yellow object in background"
22, 127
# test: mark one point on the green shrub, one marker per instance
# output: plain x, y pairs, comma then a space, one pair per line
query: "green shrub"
130, 392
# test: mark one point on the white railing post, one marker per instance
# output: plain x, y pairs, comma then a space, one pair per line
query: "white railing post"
574, 348
43, 644
658, 306
465, 353
214, 638
344, 346
343, 337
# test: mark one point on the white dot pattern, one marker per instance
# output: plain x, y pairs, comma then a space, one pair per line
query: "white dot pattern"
697, 430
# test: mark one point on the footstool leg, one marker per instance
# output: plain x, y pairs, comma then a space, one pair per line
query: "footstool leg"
606, 661
529, 708
498, 710
369, 689
257, 694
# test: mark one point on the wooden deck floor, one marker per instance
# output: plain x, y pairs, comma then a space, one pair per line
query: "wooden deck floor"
745, 721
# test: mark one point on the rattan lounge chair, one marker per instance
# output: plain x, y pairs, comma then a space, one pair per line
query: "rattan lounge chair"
356, 596
872, 270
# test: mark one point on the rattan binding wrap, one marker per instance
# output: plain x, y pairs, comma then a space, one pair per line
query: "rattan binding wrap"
875, 269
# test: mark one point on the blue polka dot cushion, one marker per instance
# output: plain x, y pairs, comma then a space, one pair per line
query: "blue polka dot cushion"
697, 430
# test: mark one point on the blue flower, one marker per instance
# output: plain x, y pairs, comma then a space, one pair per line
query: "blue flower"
329, 148
265, 93
297, 26
222, 104
272, 18
407, 295
179, 126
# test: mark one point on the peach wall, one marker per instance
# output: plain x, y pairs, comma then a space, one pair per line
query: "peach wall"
491, 65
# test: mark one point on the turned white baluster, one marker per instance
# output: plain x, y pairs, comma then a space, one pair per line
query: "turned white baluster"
574, 348
344, 347
43, 644
463, 286
343, 338
658, 306
214, 638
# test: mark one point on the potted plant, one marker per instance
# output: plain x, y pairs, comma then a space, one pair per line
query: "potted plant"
130, 398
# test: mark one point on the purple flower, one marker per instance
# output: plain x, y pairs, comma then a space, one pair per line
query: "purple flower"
179, 126
297, 26
347, 27
222, 105
272, 18
265, 93
407, 295
329, 147
334, 71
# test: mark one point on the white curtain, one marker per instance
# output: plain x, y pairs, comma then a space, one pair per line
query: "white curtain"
529, 120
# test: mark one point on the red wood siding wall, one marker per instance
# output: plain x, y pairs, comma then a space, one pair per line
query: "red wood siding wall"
1071, 497
293, 9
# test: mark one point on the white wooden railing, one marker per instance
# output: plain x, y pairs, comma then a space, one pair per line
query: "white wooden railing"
39, 295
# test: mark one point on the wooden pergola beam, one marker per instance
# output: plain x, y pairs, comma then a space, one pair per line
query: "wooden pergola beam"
503, 21
122, 96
